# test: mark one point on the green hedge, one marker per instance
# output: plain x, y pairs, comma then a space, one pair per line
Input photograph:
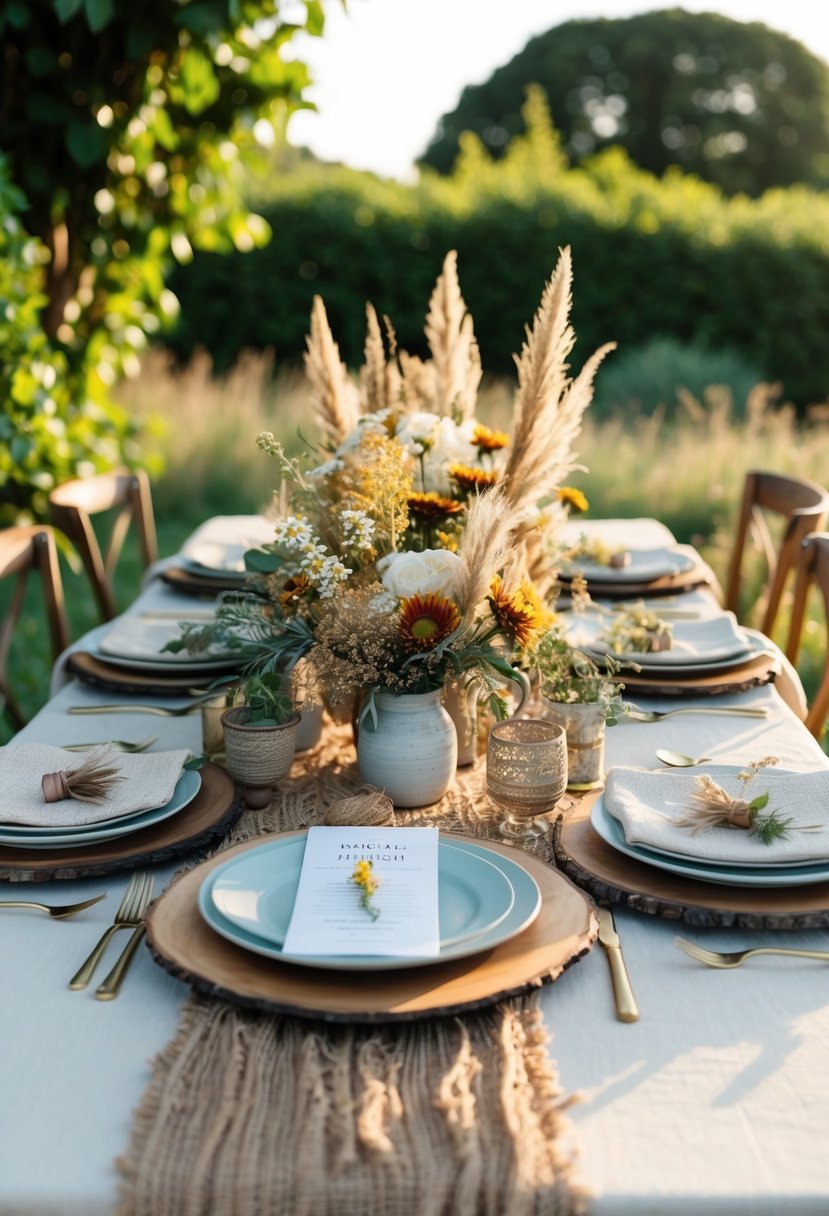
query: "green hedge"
666, 257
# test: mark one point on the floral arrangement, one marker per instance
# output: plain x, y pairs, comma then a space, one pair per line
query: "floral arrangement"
569, 676
422, 548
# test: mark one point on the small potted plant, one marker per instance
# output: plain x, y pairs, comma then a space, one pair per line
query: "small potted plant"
583, 698
260, 737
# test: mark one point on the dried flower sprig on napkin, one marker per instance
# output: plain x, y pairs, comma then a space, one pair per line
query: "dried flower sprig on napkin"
92, 781
637, 630
367, 880
711, 806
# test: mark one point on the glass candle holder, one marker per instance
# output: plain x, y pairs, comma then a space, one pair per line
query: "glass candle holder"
526, 772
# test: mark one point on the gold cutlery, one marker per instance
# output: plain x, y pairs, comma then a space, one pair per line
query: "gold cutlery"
164, 711
129, 916
626, 1007
679, 759
726, 959
122, 745
56, 911
109, 989
635, 714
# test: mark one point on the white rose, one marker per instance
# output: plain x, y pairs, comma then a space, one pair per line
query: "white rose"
433, 570
416, 426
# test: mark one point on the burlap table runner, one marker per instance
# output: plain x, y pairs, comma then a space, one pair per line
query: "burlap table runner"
264, 1115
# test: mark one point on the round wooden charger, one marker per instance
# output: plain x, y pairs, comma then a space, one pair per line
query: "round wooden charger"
762, 669
208, 817
101, 674
184, 945
190, 583
609, 875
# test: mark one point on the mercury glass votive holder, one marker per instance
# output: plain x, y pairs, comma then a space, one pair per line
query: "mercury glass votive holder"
526, 773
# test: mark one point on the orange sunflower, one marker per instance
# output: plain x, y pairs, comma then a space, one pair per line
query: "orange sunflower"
519, 613
488, 440
472, 480
425, 620
433, 506
569, 496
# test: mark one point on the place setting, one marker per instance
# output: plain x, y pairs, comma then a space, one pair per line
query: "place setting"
719, 841
659, 653
67, 815
612, 570
432, 921
213, 558
132, 654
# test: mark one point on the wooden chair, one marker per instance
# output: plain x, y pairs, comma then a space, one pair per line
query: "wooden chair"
803, 507
22, 551
72, 505
812, 571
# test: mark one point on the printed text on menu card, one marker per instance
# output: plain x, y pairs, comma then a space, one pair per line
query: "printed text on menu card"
328, 917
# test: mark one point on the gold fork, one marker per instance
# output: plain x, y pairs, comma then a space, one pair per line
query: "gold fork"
129, 916
56, 911
726, 959
165, 711
109, 989
121, 745
654, 715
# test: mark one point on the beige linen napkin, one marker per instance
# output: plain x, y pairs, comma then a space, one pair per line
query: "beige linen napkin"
648, 805
149, 781
133, 638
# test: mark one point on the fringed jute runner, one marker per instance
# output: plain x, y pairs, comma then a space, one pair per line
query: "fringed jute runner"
265, 1115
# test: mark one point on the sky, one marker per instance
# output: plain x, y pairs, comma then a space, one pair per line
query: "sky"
386, 70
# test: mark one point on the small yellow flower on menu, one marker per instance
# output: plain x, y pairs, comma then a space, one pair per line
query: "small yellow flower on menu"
364, 877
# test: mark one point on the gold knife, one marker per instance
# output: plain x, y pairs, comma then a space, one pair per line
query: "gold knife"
626, 1008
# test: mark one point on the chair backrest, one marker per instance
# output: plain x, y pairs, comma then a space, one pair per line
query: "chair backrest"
72, 506
22, 551
803, 507
812, 571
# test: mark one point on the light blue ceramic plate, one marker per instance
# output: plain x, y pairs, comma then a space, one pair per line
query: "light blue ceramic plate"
187, 786
257, 891
468, 900
733, 876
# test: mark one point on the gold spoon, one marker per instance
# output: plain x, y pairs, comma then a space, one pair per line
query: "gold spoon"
678, 759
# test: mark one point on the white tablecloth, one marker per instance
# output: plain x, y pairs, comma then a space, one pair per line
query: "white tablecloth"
713, 1103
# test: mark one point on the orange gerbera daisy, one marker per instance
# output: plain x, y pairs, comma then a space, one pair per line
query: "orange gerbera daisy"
433, 506
488, 440
519, 613
569, 496
295, 589
425, 620
472, 480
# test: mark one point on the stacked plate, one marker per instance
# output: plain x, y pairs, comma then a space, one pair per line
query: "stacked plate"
68, 837
644, 566
697, 647
219, 546
647, 831
484, 899
137, 644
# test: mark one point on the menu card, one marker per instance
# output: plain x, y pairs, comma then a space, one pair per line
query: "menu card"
329, 915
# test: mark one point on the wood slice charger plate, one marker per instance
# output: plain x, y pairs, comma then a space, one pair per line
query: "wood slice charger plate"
213, 810
186, 946
700, 575
613, 876
191, 583
762, 669
101, 674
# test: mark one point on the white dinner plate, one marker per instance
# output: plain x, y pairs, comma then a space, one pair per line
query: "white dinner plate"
69, 837
162, 663
525, 908
727, 875
694, 644
257, 891
645, 565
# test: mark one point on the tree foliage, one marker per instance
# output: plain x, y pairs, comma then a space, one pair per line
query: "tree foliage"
653, 257
740, 105
127, 128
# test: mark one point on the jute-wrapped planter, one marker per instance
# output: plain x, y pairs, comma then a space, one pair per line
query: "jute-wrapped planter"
257, 756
